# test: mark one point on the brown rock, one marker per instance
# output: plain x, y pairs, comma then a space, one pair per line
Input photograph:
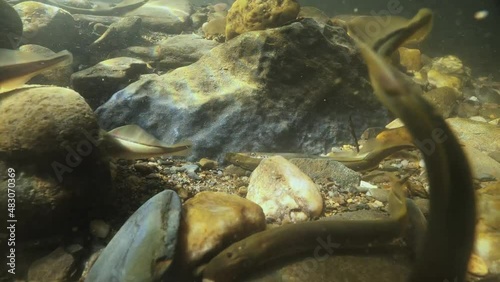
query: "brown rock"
248, 15
45, 120
410, 59
212, 221
444, 100
58, 266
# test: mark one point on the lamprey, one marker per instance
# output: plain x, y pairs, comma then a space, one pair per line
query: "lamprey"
450, 234
364, 160
445, 248
267, 247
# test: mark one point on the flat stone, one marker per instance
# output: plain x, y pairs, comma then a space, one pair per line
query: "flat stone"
144, 246
323, 171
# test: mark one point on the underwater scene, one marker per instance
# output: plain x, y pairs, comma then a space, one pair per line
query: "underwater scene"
249, 140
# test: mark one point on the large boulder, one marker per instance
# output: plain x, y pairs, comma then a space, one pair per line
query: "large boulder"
291, 88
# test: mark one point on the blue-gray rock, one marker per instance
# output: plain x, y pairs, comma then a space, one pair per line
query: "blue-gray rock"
291, 89
98, 83
171, 53
143, 248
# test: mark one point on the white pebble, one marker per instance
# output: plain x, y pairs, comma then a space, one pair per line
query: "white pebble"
481, 15
421, 163
365, 186
478, 118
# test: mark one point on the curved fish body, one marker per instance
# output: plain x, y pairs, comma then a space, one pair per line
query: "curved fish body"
444, 245
102, 9
272, 245
132, 142
17, 68
376, 30
448, 242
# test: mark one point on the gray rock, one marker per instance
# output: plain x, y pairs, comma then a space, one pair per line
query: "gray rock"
144, 246
98, 83
174, 52
46, 25
58, 266
323, 171
379, 194
285, 89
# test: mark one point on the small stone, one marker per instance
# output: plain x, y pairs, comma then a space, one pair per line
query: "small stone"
144, 168
208, 164
242, 191
283, 191
376, 204
410, 59
379, 194
444, 100
99, 228
478, 118
325, 170
365, 186
477, 266
246, 16
495, 121
74, 249
58, 266
236, 170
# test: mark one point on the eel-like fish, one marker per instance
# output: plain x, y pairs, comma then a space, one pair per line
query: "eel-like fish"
16, 67
373, 152
447, 244
102, 8
264, 248
375, 30
131, 142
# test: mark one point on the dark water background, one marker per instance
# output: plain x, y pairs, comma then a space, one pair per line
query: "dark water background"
455, 31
